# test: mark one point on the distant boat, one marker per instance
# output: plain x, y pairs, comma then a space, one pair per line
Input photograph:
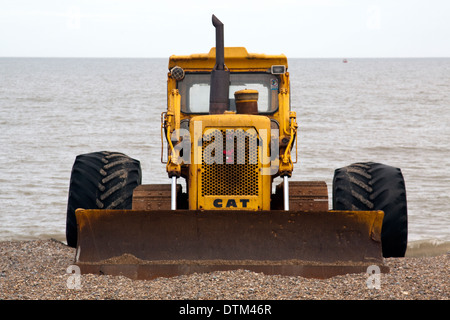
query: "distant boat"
344, 61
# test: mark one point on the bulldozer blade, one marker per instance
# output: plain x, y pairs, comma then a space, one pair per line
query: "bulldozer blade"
164, 243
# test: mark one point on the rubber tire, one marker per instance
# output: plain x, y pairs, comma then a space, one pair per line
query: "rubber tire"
100, 180
375, 186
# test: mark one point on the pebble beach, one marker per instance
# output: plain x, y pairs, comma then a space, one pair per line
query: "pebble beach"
38, 270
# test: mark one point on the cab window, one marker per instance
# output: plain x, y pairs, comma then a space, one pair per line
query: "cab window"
195, 88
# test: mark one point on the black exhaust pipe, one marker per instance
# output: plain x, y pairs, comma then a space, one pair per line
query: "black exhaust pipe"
220, 77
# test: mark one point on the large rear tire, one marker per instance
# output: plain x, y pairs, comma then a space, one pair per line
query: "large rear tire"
375, 186
100, 180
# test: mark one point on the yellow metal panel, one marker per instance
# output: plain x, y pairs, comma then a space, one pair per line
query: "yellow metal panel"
227, 180
235, 58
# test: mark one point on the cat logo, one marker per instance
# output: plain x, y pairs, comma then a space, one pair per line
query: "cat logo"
231, 203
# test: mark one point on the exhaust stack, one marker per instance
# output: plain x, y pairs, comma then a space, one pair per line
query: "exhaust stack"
220, 77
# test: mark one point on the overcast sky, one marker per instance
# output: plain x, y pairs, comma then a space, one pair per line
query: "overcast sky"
297, 28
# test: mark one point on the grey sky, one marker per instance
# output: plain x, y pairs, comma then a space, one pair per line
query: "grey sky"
297, 28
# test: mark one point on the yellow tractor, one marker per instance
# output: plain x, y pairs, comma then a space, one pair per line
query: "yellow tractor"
229, 132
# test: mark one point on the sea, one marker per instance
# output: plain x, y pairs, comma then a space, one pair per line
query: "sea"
390, 110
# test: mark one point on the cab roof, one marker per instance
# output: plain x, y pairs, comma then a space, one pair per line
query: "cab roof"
236, 58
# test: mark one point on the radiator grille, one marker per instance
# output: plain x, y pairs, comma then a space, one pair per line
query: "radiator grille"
236, 171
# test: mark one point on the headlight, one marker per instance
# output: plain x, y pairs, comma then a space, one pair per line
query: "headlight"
177, 73
278, 69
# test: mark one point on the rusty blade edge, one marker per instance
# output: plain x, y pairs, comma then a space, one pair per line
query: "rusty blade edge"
155, 270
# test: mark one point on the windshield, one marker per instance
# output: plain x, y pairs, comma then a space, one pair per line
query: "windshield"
195, 88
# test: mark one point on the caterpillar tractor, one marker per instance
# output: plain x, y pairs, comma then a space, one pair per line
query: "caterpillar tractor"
229, 133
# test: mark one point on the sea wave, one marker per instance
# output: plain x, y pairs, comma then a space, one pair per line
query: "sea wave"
427, 248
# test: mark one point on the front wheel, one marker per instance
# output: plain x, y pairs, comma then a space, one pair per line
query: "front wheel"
375, 186
100, 180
